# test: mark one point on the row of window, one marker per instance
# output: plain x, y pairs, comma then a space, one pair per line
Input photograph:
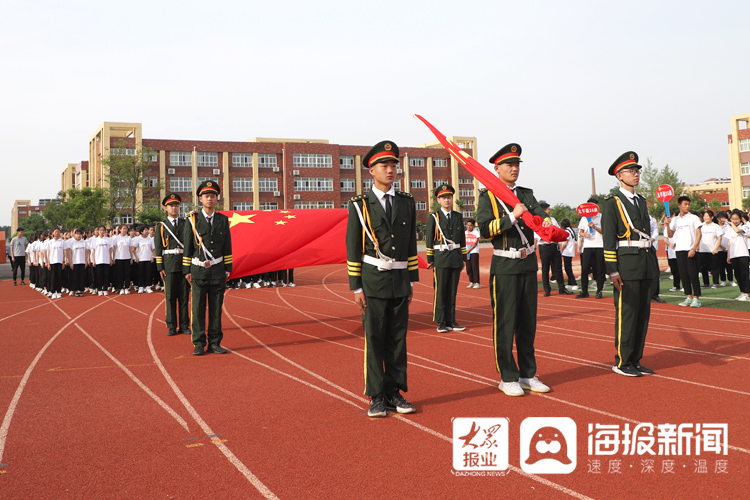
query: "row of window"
745, 168
744, 145
185, 159
263, 205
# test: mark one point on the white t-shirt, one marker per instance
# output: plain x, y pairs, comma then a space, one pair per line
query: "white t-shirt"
684, 229
709, 234
122, 246
471, 238
724, 237
654, 232
591, 240
144, 248
747, 231
56, 249
43, 251
78, 251
737, 244
101, 247
667, 241
570, 245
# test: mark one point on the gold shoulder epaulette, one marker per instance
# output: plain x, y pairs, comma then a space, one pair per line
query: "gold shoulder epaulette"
358, 197
404, 193
608, 197
483, 190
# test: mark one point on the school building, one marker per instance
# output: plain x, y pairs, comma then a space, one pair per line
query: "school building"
739, 160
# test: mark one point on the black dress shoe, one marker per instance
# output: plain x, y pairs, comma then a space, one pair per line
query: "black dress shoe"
187, 331
442, 328
627, 370
216, 349
198, 351
565, 291
582, 295
659, 300
457, 328
644, 370
599, 295
171, 332
547, 294
22, 282
15, 284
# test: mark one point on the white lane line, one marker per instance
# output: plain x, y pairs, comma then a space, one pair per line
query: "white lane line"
26, 310
241, 467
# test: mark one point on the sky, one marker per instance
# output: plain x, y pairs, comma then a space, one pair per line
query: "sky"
575, 83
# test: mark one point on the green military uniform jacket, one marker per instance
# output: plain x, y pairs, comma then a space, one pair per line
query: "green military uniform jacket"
452, 230
633, 263
494, 224
216, 238
397, 239
163, 240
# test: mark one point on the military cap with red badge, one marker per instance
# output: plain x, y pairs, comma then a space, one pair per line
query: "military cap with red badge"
209, 187
381, 152
170, 199
443, 190
626, 160
510, 153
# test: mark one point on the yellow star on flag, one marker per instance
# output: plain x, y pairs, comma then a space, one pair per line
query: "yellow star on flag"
280, 222
291, 216
284, 211
239, 219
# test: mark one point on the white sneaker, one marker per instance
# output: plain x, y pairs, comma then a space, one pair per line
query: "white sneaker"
127, 292
511, 388
671, 277
283, 284
723, 283
673, 289
248, 285
70, 294
140, 289
574, 287
148, 289
695, 302
685, 303
471, 285
256, 285
101, 294
122, 292
292, 284
477, 285
533, 384
734, 283
105, 293
743, 297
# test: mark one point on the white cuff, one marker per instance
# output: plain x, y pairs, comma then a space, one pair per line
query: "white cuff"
358, 290
512, 218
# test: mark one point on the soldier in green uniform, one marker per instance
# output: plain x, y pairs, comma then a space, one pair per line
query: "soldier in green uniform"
381, 254
206, 263
169, 250
626, 235
513, 275
446, 253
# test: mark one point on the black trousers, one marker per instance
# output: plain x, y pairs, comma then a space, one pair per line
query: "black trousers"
385, 322
710, 263
102, 277
32, 274
551, 257
122, 274
445, 281
286, 275
726, 272
568, 263
741, 273
675, 273
55, 278
19, 263
632, 311
144, 273
655, 281
472, 268
688, 267
592, 260
78, 277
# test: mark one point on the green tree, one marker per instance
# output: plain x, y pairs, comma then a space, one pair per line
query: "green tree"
33, 223
746, 204
653, 177
128, 177
57, 212
150, 214
562, 211
87, 207
714, 205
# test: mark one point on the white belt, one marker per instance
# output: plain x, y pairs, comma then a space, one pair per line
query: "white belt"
174, 251
384, 265
634, 243
446, 246
206, 263
513, 253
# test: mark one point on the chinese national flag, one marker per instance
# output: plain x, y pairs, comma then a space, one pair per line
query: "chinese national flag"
273, 240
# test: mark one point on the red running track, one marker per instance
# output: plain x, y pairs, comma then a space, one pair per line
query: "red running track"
97, 402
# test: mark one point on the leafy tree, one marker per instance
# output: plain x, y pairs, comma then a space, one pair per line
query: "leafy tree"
714, 205
746, 204
652, 178
562, 211
87, 207
126, 176
33, 223
57, 211
150, 214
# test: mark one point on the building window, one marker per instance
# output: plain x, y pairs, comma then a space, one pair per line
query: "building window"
367, 183
347, 185
745, 192
416, 162
181, 184
313, 204
242, 205
744, 145
421, 205
242, 185
268, 184
123, 219
465, 181
397, 184
466, 193
439, 182
745, 168
153, 157
418, 184
242, 160
180, 159
150, 182
467, 214
269, 205
313, 184
203, 179
346, 162
208, 159
184, 209
311, 160
345, 204
440, 162
266, 160
128, 152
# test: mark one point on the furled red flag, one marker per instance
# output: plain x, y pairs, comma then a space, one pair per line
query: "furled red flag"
273, 240
549, 233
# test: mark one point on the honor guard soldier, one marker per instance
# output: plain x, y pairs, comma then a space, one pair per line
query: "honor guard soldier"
446, 253
513, 275
381, 254
169, 250
627, 254
206, 263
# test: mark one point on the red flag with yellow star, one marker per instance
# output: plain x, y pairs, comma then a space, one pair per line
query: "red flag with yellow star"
273, 240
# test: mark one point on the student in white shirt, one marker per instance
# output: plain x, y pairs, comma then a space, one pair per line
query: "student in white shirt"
76, 257
568, 251
144, 255
708, 250
686, 232
726, 273
739, 255
155, 276
592, 256
672, 260
101, 255
123, 258
55, 258
472, 257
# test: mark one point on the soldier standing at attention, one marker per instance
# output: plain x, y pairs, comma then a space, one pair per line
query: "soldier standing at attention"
206, 264
513, 283
446, 252
381, 255
627, 247
169, 249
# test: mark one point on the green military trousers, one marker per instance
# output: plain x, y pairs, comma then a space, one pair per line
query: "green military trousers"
211, 293
385, 322
176, 295
444, 301
632, 312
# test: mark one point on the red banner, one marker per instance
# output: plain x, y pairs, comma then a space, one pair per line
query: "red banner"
550, 233
273, 240
587, 209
